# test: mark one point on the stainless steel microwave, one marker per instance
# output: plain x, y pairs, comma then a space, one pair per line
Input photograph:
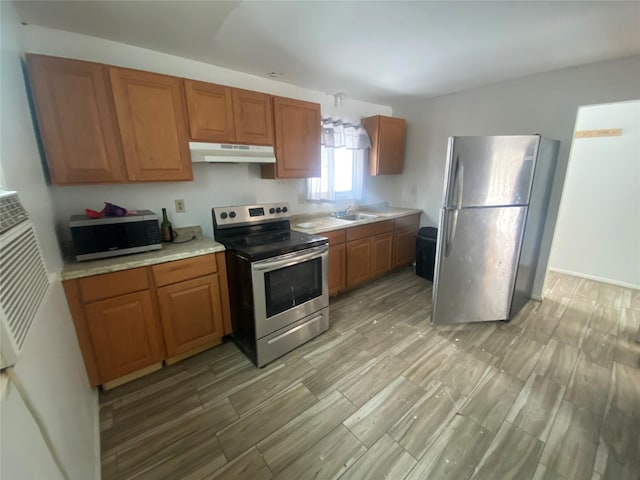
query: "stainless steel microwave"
112, 236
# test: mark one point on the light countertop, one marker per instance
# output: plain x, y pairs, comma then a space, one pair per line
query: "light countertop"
308, 223
169, 252
324, 222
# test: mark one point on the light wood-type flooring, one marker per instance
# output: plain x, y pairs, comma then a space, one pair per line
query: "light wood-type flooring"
553, 394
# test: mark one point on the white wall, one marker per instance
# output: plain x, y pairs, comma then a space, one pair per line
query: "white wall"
213, 185
545, 103
598, 231
50, 366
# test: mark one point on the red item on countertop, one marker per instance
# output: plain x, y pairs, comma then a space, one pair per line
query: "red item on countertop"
92, 213
109, 210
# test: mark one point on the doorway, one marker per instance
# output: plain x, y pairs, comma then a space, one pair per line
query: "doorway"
597, 234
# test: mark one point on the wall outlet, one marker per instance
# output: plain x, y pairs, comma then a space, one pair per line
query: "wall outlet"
302, 198
180, 206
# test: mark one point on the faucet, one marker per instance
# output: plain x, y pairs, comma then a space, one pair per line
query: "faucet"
344, 212
350, 208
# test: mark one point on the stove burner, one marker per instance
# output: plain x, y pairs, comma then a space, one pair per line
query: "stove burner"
253, 240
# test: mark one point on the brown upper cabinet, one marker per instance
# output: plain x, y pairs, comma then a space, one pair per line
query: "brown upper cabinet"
223, 114
297, 132
76, 120
102, 124
252, 117
210, 112
152, 116
387, 134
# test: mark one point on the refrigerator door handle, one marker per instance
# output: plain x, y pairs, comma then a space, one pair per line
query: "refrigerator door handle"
459, 182
452, 191
451, 226
451, 232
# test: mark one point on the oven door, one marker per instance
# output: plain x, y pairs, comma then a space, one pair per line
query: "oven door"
289, 287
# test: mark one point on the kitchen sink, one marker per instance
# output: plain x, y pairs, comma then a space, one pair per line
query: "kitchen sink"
357, 216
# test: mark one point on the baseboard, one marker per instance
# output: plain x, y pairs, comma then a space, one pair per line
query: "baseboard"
595, 278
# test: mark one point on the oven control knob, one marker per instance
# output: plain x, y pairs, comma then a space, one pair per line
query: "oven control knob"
272, 210
223, 215
232, 214
278, 210
284, 209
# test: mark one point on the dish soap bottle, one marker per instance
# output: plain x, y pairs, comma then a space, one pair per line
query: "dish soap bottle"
167, 229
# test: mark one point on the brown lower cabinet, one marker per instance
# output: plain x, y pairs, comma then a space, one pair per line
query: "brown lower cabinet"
369, 250
404, 240
132, 320
358, 261
381, 254
337, 261
368, 258
363, 252
191, 314
124, 333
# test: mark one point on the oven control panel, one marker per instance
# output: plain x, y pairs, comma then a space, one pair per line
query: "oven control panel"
237, 214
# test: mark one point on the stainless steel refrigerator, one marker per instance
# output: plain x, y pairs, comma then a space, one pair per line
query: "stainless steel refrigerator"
495, 201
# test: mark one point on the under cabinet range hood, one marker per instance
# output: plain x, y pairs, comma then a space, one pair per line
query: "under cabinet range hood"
230, 153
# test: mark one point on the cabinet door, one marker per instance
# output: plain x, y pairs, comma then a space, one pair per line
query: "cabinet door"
125, 334
337, 268
387, 134
76, 120
381, 254
404, 239
297, 131
404, 247
152, 118
210, 110
252, 117
191, 314
392, 140
358, 261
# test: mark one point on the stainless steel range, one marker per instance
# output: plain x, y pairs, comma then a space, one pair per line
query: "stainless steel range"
278, 283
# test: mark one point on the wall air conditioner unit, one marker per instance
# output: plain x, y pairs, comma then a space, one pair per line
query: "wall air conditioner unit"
230, 153
23, 277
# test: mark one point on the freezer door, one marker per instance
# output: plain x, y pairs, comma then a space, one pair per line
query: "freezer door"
477, 257
489, 171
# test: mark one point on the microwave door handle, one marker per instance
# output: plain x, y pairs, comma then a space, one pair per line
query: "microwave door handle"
272, 265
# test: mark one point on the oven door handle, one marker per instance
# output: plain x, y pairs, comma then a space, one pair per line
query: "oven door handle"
291, 260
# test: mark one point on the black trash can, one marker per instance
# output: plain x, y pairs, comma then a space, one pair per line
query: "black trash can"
426, 252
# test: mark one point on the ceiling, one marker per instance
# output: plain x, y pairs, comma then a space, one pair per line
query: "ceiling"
373, 51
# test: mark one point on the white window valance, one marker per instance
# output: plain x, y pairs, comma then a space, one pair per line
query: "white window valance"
337, 134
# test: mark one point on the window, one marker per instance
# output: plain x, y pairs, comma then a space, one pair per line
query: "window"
342, 175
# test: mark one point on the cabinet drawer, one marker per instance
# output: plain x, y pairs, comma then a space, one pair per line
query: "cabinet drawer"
336, 237
410, 221
172, 272
370, 230
110, 285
